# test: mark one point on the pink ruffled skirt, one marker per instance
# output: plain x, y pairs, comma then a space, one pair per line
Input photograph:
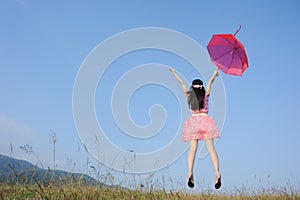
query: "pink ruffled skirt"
199, 127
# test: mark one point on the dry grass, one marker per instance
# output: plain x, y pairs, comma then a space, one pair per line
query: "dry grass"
68, 188
78, 191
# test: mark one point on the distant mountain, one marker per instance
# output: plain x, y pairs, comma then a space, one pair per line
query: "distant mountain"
20, 171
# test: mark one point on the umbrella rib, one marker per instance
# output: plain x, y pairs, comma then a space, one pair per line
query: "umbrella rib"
228, 52
232, 57
230, 44
223, 55
237, 52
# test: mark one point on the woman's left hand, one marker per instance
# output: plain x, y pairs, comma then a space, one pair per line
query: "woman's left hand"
217, 72
172, 70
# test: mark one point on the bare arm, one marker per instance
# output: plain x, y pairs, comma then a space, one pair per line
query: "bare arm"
180, 81
208, 86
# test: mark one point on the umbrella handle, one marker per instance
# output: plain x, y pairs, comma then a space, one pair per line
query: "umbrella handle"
237, 30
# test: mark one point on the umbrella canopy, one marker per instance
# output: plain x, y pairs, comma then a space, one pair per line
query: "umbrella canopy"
228, 54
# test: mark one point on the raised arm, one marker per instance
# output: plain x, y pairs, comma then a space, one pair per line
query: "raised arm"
211, 80
180, 81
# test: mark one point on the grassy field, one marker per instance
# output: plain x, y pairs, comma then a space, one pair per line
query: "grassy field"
78, 191
26, 184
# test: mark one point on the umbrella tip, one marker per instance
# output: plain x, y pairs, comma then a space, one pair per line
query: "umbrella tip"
240, 26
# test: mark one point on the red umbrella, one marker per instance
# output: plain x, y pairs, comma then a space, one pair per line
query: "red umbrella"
228, 54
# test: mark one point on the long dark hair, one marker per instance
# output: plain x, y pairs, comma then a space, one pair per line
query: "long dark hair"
196, 95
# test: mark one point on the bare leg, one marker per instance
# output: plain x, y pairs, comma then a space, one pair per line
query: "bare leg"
191, 156
214, 157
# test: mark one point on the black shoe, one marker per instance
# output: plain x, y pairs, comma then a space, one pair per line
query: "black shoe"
190, 183
218, 184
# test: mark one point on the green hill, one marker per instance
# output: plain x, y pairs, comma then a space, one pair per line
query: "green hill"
21, 172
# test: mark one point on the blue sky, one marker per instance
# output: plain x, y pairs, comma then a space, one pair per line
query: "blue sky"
43, 44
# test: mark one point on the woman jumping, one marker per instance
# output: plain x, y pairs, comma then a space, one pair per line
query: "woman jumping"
199, 126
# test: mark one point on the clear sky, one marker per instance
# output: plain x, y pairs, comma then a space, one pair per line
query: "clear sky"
43, 45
